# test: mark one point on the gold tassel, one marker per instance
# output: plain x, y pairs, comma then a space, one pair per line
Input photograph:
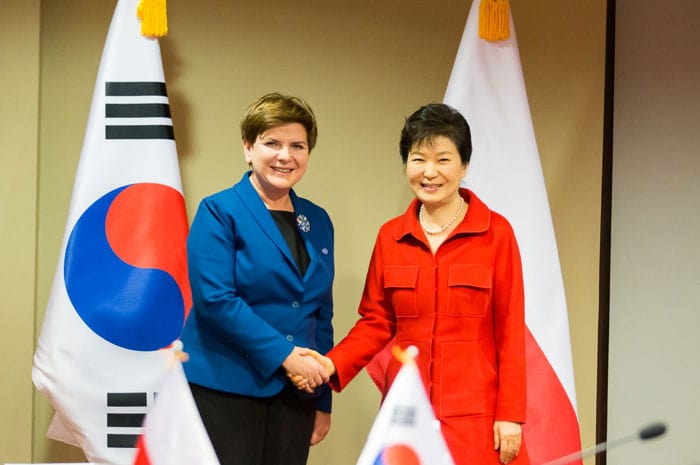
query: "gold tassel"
154, 18
494, 20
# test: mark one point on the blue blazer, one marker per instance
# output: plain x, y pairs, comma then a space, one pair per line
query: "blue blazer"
251, 305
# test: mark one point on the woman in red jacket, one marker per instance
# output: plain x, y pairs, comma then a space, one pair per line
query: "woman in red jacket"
446, 277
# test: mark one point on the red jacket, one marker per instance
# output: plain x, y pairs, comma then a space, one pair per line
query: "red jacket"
463, 309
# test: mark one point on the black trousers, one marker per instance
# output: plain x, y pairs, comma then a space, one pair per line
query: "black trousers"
248, 430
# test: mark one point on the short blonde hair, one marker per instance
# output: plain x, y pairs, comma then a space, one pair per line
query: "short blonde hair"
275, 109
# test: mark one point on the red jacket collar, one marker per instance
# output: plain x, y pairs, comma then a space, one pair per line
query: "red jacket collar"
477, 220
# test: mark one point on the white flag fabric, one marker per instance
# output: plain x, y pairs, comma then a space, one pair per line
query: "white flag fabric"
406, 430
487, 87
120, 293
173, 432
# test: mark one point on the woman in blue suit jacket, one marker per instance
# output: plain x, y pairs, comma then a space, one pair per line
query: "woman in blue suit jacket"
261, 269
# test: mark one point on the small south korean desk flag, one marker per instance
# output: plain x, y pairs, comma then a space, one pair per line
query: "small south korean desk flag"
406, 430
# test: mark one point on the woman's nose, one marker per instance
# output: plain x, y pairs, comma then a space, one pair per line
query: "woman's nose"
283, 152
429, 171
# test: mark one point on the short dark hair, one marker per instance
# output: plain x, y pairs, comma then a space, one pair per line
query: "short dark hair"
276, 109
432, 120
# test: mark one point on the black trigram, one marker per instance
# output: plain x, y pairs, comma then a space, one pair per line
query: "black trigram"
125, 414
404, 415
136, 110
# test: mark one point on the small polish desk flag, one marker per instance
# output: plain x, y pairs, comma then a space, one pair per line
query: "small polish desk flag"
173, 432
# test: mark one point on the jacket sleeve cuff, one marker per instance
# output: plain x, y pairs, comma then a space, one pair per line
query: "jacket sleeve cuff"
325, 400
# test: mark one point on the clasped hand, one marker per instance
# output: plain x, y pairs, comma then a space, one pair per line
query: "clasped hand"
307, 369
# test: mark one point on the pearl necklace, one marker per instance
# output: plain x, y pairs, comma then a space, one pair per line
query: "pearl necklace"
441, 229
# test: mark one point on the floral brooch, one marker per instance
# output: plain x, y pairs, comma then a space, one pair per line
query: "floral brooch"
303, 223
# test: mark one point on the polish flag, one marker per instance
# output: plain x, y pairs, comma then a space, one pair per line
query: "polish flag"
173, 433
488, 88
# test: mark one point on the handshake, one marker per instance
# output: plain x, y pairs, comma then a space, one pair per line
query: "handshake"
307, 369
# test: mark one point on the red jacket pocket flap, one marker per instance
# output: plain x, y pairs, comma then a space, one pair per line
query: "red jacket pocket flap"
400, 276
480, 276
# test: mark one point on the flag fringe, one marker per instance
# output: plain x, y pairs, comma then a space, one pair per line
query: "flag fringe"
494, 20
154, 18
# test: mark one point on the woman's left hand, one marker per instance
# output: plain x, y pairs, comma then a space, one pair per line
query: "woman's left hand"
322, 424
507, 436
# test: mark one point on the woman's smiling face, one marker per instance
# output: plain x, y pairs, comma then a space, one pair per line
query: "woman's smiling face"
434, 171
278, 157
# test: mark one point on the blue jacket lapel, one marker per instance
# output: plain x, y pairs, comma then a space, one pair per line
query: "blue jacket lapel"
261, 215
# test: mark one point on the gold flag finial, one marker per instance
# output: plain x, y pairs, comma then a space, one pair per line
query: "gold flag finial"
405, 356
494, 20
154, 18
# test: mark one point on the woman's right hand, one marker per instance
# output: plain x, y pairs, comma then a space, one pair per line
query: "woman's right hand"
303, 383
307, 373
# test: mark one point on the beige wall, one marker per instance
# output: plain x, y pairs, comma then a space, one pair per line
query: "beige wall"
19, 119
363, 65
655, 256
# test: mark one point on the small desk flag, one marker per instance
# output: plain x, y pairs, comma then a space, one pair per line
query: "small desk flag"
173, 432
406, 430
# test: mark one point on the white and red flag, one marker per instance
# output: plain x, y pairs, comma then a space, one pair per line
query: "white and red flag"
488, 88
120, 293
173, 432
